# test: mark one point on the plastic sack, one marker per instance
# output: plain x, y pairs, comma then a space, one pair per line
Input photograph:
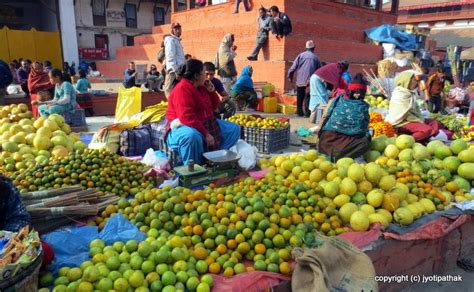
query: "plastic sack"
388, 50
129, 102
106, 139
118, 228
152, 159
247, 152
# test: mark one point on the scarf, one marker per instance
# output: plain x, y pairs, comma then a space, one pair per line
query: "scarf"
330, 73
244, 82
38, 80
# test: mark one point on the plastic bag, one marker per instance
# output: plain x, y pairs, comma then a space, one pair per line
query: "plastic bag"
247, 152
105, 138
118, 228
388, 50
129, 102
152, 159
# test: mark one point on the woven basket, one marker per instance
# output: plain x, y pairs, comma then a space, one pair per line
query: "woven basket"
25, 280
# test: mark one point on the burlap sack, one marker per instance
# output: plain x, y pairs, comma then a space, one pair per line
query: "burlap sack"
336, 264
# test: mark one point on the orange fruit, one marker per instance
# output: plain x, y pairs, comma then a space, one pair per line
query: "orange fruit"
200, 253
260, 248
197, 230
231, 244
214, 268
285, 268
221, 248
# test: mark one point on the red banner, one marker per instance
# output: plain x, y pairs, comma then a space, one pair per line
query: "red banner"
93, 53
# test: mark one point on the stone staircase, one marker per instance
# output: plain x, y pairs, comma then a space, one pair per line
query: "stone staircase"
337, 30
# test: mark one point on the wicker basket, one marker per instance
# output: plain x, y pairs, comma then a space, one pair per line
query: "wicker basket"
267, 140
25, 280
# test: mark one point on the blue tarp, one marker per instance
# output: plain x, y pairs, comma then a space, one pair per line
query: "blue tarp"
387, 33
71, 245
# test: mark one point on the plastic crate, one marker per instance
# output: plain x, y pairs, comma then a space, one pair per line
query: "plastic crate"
267, 140
76, 118
286, 109
172, 154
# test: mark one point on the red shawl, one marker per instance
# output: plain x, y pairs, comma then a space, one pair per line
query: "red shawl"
38, 81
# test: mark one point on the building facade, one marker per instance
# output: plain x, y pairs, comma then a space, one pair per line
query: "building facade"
104, 25
450, 22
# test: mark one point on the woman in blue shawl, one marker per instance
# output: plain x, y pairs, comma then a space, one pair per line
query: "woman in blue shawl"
242, 91
345, 126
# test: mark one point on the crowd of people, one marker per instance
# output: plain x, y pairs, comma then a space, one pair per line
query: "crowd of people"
49, 89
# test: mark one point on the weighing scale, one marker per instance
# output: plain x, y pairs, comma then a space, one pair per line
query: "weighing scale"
220, 164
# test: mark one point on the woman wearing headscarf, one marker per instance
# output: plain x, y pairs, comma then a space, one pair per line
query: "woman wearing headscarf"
345, 124
404, 113
243, 92
225, 61
322, 82
39, 85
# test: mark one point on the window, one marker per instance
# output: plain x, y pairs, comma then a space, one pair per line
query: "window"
131, 15
98, 12
159, 15
130, 40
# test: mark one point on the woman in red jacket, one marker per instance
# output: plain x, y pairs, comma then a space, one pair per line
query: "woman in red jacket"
193, 128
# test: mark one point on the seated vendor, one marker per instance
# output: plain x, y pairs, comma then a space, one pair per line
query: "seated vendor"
242, 92
404, 113
64, 95
193, 128
84, 96
345, 127
226, 107
13, 214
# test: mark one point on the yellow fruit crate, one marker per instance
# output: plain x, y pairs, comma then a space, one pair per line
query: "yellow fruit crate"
286, 109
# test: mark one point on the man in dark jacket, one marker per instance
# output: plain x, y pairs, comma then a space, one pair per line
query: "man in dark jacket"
304, 65
6, 79
13, 214
281, 23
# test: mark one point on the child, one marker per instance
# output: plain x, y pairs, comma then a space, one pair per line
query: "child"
227, 107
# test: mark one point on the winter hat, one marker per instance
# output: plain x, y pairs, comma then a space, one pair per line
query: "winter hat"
357, 83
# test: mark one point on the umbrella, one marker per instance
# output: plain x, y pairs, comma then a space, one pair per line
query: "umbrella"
387, 33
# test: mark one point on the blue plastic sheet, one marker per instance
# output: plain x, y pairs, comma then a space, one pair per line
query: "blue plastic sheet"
118, 228
71, 245
387, 33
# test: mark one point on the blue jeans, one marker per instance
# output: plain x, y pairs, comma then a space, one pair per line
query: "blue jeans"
190, 142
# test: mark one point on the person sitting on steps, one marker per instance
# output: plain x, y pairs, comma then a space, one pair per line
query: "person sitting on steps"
281, 23
264, 26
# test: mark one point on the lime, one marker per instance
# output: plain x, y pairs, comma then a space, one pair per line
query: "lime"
208, 279
169, 288
201, 266
148, 267
136, 262
63, 280
156, 286
114, 275
59, 288
85, 287
105, 284
182, 276
192, 283
161, 269
118, 246
113, 263
97, 243
144, 249
121, 285
63, 271
203, 287
131, 246
272, 267
168, 278
46, 280
136, 279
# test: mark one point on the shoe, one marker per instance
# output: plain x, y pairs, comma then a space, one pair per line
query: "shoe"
250, 58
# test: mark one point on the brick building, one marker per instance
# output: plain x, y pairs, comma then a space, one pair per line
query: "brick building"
451, 22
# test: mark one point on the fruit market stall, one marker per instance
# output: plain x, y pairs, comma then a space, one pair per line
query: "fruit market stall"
227, 235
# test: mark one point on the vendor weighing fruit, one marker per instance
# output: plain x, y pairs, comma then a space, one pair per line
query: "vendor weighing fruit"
64, 95
13, 214
192, 126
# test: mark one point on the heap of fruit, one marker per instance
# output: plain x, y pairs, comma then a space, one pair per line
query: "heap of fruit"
377, 102
26, 142
258, 122
89, 168
457, 124
436, 163
380, 127
156, 264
